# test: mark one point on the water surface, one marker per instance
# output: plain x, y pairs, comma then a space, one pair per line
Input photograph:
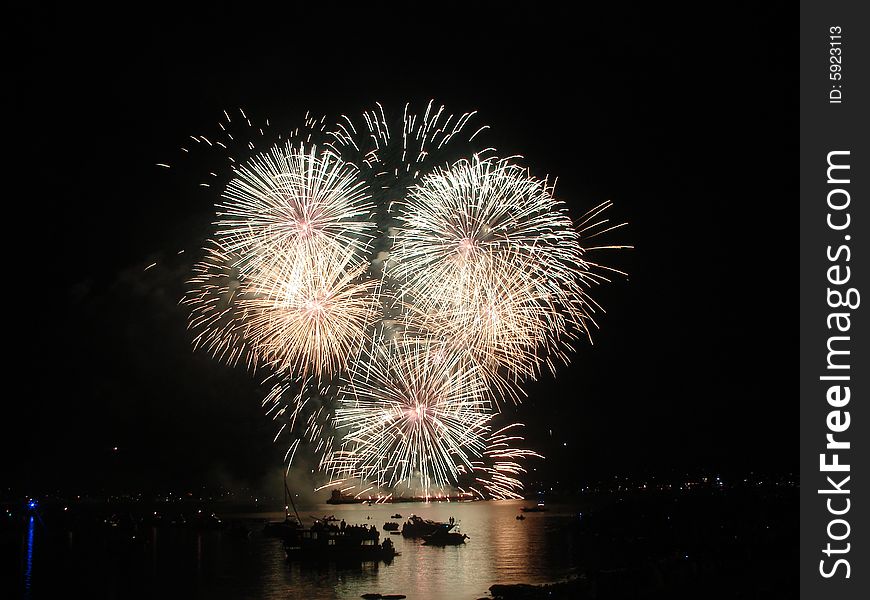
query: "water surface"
168, 562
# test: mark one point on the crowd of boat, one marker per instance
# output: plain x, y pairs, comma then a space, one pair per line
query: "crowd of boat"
329, 538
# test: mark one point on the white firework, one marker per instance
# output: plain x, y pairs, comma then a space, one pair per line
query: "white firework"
410, 413
293, 199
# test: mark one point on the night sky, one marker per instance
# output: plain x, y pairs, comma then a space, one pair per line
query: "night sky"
686, 121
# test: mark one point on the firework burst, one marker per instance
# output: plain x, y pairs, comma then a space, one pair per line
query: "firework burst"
411, 413
293, 199
489, 259
501, 325
483, 210
283, 282
311, 314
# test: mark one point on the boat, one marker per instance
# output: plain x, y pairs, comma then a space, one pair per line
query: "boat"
290, 525
537, 508
445, 536
520, 517
391, 526
325, 542
281, 529
396, 516
418, 527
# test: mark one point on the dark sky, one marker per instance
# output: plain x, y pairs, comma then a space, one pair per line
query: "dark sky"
687, 121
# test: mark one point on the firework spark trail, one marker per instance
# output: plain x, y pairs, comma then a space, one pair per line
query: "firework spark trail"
303, 408
396, 160
310, 315
292, 239
498, 471
218, 322
410, 413
482, 243
484, 207
424, 425
293, 199
500, 324
237, 138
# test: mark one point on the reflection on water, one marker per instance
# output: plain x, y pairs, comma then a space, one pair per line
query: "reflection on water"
28, 555
176, 562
